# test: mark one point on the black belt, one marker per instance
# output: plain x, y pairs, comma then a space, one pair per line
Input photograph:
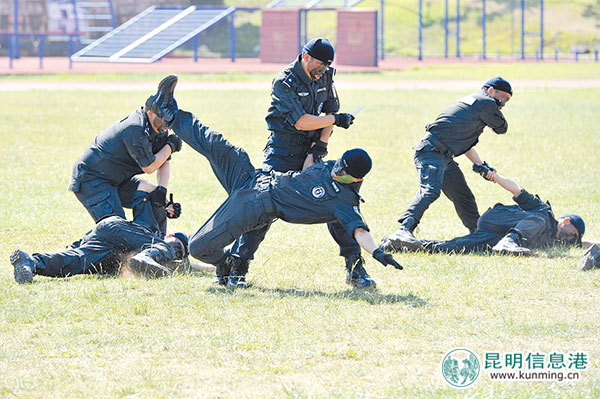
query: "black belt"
431, 139
296, 139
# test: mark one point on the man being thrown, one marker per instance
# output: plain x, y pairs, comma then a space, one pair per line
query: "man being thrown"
507, 229
324, 193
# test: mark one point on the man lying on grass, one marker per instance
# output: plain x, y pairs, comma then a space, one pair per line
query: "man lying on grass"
507, 229
109, 245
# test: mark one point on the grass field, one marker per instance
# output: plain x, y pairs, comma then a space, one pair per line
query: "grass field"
298, 331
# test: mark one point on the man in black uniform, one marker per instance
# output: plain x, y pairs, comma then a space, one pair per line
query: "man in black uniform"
103, 178
324, 193
108, 245
510, 229
300, 95
455, 132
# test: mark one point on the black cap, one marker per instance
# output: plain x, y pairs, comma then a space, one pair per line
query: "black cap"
578, 223
499, 83
321, 49
357, 163
184, 239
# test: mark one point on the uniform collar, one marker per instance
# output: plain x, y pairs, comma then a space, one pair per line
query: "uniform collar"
147, 127
298, 71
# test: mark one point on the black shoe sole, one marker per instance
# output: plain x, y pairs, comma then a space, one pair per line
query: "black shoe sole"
149, 269
22, 274
167, 85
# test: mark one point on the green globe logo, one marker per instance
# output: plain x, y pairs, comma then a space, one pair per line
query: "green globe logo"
460, 368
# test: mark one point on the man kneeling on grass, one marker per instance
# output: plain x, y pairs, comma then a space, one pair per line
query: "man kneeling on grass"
108, 245
324, 193
507, 229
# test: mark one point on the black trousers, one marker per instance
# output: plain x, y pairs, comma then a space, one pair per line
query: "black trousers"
102, 198
102, 250
247, 208
437, 174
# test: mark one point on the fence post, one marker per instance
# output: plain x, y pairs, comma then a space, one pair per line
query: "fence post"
41, 50
70, 51
483, 30
420, 30
458, 28
232, 36
195, 46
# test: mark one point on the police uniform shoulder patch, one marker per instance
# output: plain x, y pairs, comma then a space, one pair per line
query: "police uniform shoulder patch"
318, 191
289, 81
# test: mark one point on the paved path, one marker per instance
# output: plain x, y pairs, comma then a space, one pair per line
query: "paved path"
15, 85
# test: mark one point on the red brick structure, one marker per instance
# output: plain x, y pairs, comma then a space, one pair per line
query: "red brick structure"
356, 37
279, 35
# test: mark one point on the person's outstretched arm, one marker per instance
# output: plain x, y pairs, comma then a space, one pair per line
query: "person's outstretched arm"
506, 184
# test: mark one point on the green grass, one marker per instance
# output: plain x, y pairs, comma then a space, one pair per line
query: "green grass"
299, 331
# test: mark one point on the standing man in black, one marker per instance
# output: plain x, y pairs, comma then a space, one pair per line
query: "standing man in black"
323, 193
103, 178
303, 111
455, 132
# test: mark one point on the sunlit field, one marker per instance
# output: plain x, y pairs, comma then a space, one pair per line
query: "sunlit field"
299, 331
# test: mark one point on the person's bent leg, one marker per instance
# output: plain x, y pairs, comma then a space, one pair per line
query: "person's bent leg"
100, 199
231, 164
431, 166
455, 187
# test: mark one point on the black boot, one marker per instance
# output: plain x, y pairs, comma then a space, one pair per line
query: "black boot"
146, 263
162, 103
237, 276
356, 275
401, 240
223, 270
24, 266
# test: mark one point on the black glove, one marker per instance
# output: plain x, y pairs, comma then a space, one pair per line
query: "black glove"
174, 142
176, 208
343, 120
319, 151
483, 169
386, 259
158, 197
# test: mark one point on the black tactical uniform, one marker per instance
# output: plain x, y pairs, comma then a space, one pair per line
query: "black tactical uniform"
103, 249
531, 220
453, 133
257, 197
103, 178
293, 95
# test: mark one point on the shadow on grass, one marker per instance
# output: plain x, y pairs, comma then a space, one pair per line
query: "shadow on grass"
370, 296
